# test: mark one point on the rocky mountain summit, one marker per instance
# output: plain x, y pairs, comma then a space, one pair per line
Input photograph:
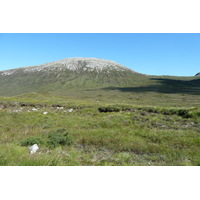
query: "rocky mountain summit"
74, 64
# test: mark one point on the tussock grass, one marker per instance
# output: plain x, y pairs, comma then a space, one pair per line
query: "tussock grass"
103, 133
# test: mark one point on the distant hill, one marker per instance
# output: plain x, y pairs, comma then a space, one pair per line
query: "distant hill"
62, 75
198, 74
89, 75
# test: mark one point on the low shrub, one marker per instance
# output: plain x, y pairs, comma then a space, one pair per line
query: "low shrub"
32, 141
109, 109
184, 113
59, 137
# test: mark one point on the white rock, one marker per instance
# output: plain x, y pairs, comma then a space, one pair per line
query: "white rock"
71, 109
33, 149
75, 64
45, 113
8, 72
34, 109
59, 108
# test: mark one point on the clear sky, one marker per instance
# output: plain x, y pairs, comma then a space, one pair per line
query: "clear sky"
153, 54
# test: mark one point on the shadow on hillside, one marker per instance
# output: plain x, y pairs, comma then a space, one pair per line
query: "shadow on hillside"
164, 85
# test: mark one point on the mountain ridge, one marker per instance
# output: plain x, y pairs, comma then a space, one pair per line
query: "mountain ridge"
73, 64
73, 75
62, 75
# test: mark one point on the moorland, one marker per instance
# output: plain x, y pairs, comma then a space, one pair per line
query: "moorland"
150, 125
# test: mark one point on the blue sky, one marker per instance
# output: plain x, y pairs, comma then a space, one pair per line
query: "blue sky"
153, 54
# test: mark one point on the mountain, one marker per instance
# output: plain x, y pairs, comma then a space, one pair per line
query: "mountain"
66, 74
198, 74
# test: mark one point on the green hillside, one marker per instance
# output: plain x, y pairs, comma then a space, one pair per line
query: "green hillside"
88, 76
54, 82
60, 76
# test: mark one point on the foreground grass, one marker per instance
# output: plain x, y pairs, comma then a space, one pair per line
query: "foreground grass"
103, 134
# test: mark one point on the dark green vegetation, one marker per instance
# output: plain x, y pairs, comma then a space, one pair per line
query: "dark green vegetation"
100, 132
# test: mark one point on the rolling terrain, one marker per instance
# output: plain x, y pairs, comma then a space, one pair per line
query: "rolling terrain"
88, 111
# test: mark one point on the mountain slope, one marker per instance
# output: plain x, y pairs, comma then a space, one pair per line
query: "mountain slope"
71, 73
87, 76
198, 74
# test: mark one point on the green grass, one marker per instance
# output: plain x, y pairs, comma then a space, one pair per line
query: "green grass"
101, 133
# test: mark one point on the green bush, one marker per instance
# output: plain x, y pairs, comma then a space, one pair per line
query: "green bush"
109, 109
59, 137
32, 141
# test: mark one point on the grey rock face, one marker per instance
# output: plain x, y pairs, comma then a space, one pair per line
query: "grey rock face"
73, 64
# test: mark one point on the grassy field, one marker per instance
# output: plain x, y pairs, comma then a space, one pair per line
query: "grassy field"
109, 127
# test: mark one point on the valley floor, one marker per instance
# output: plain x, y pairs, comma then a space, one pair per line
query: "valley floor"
72, 132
